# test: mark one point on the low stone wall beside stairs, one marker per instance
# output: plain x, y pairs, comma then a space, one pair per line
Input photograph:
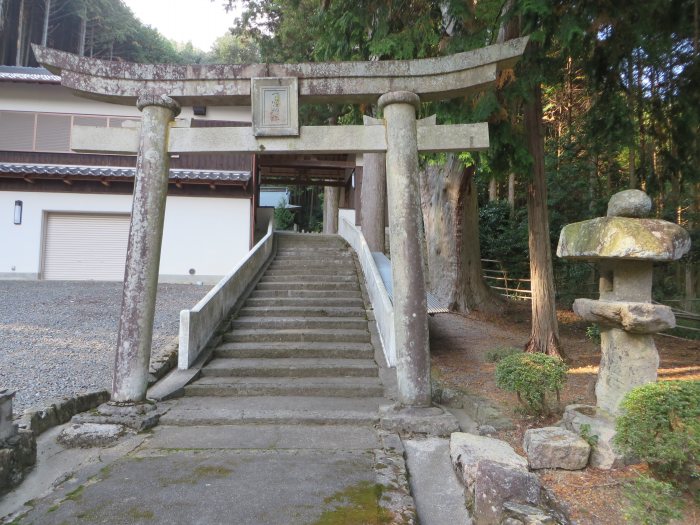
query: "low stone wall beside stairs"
199, 325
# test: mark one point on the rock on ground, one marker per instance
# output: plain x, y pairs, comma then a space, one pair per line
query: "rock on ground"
84, 435
497, 484
518, 514
467, 450
554, 447
601, 425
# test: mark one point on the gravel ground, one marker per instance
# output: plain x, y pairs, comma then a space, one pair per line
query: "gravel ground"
58, 338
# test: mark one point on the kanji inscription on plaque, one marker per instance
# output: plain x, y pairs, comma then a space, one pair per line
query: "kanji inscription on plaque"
275, 107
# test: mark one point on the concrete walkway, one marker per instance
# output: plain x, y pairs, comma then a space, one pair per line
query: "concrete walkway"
280, 427
230, 474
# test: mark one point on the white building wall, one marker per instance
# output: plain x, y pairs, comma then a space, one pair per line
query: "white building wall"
52, 98
210, 235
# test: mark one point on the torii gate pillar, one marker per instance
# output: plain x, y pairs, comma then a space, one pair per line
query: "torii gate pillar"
373, 197
132, 360
410, 307
331, 204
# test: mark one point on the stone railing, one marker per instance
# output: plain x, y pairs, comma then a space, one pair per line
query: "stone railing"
381, 303
199, 325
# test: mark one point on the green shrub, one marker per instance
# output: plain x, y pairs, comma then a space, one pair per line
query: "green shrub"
531, 376
651, 502
496, 354
593, 333
585, 433
660, 424
284, 217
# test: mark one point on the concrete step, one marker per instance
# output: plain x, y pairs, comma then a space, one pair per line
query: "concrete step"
292, 410
308, 278
258, 437
299, 349
308, 294
321, 251
297, 336
295, 285
311, 265
312, 271
288, 323
305, 251
271, 301
290, 367
300, 311
307, 239
286, 386
315, 259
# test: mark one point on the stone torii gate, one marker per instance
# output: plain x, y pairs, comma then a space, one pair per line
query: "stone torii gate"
275, 91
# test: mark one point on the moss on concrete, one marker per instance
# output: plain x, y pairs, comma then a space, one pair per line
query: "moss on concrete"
199, 474
358, 504
137, 513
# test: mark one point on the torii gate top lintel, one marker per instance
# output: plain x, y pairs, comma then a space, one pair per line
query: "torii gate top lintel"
338, 82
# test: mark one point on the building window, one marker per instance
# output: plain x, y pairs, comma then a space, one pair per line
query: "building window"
47, 132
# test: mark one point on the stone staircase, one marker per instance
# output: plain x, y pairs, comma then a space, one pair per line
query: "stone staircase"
299, 350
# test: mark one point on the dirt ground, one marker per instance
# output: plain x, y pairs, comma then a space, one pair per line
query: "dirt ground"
459, 345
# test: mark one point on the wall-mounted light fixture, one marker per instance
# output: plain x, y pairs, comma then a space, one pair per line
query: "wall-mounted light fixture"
18, 212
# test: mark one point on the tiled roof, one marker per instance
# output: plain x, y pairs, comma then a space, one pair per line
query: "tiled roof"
58, 170
28, 74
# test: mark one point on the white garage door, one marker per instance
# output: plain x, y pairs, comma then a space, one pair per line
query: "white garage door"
85, 247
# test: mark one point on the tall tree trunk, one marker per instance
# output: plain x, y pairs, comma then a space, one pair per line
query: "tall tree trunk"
633, 183
83, 33
2, 16
544, 336
331, 200
493, 190
545, 329
45, 30
511, 194
592, 184
19, 59
374, 200
451, 219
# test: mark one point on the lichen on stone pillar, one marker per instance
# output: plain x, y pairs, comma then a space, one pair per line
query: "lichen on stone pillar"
135, 332
405, 222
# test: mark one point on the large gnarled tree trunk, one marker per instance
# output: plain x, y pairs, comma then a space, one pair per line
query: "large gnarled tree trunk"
451, 218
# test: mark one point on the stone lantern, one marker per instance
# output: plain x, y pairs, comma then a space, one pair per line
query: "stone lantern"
625, 244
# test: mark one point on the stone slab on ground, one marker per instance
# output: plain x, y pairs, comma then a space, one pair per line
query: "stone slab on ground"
85, 435
468, 450
438, 494
519, 514
421, 420
479, 409
555, 447
219, 486
136, 416
601, 425
465, 421
497, 484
